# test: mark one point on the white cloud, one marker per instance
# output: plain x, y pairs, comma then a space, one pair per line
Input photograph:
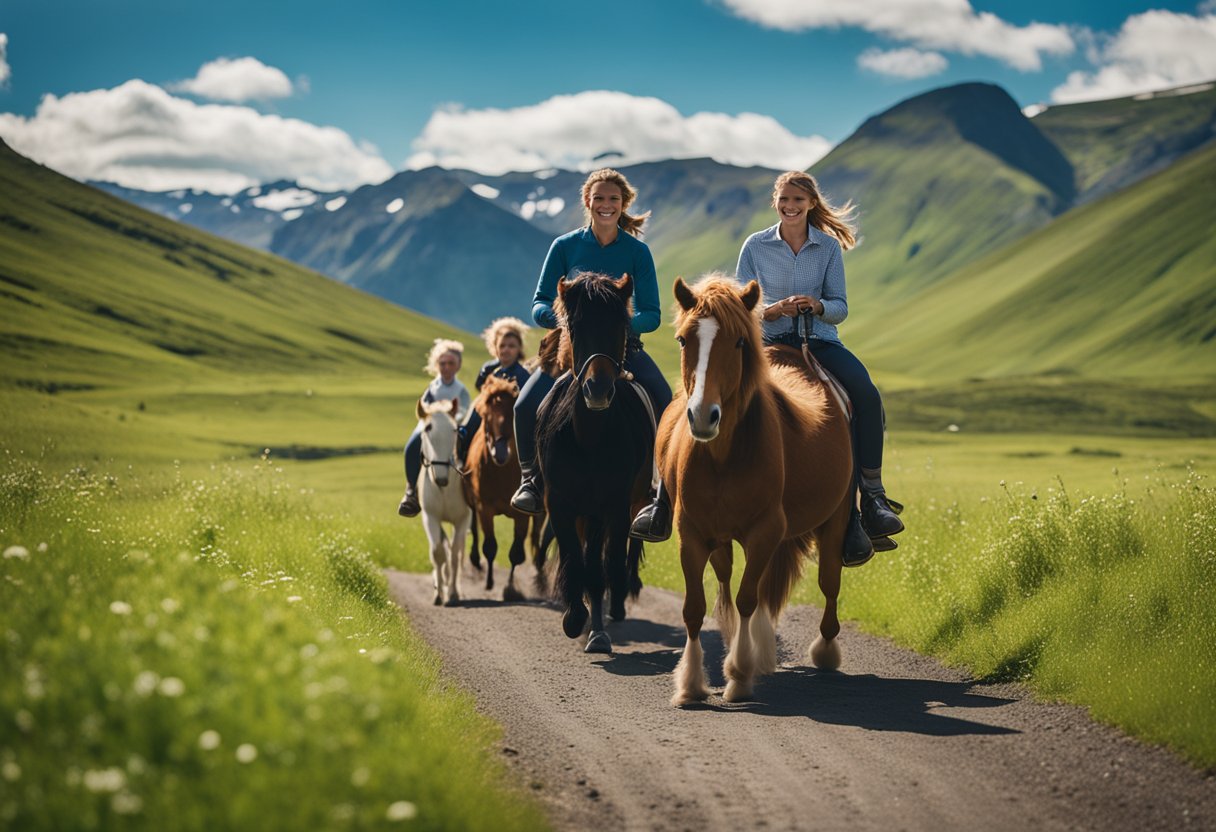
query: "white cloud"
571, 131
902, 63
1152, 51
5, 71
139, 135
951, 25
236, 79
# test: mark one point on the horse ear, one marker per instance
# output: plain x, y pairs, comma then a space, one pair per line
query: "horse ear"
562, 286
750, 295
684, 295
420, 411
455, 407
624, 286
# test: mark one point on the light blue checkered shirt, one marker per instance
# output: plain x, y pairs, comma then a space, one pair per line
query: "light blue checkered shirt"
816, 270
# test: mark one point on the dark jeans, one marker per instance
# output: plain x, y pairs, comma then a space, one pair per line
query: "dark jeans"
868, 418
645, 372
413, 456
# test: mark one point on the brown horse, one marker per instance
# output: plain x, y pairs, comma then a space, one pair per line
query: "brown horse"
493, 475
752, 450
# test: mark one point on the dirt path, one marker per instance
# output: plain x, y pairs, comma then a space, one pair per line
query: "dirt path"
893, 741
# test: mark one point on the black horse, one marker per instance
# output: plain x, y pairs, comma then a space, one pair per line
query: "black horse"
595, 443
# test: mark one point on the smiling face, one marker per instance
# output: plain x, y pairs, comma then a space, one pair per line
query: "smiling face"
605, 202
793, 205
507, 349
448, 364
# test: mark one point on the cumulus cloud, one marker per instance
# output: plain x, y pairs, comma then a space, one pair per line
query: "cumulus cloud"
5, 71
951, 25
236, 79
1152, 51
583, 130
139, 135
902, 63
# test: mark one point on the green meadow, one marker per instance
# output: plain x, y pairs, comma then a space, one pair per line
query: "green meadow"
200, 473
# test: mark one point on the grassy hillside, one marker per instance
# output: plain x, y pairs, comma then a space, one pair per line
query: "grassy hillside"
1114, 143
194, 641
1125, 286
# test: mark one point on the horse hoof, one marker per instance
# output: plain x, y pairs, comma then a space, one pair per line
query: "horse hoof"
617, 613
511, 594
574, 620
437, 600
453, 601
826, 653
737, 692
598, 642
489, 582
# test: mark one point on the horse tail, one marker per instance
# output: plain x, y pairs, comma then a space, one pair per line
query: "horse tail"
783, 571
633, 562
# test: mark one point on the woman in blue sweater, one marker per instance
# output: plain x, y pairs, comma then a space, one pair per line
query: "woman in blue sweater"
799, 267
607, 244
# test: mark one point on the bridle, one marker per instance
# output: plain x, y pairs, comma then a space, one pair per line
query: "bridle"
619, 366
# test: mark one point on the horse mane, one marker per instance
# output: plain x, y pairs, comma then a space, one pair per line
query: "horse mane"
717, 295
497, 384
598, 291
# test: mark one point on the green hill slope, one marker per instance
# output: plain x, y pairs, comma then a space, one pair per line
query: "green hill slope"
1114, 143
1125, 286
94, 290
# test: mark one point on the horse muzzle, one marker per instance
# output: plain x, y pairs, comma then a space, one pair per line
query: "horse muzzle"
703, 422
500, 451
598, 393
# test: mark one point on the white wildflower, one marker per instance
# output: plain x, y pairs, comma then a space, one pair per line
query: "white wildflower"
402, 810
120, 608
209, 740
105, 779
126, 803
17, 552
170, 605
10, 771
171, 686
246, 753
146, 682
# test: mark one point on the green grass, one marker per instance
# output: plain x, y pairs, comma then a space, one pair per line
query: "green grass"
216, 652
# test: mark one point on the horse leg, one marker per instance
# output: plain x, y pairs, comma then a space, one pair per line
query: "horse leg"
690, 672
617, 553
489, 544
456, 556
541, 553
825, 650
598, 640
722, 560
474, 546
437, 544
570, 573
516, 556
741, 661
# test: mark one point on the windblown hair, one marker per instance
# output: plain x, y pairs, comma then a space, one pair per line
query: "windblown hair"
718, 297
501, 327
632, 224
441, 346
838, 222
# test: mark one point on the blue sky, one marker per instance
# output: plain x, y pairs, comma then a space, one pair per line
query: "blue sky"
379, 70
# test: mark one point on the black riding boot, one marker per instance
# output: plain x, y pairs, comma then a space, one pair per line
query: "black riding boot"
409, 507
878, 516
530, 498
857, 546
653, 523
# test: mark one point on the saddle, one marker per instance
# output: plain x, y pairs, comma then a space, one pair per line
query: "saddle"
802, 342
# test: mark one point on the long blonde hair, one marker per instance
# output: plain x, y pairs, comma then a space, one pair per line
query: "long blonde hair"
630, 223
829, 219
501, 327
438, 349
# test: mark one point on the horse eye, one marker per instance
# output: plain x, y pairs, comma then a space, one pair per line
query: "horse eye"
740, 343
428, 427
680, 340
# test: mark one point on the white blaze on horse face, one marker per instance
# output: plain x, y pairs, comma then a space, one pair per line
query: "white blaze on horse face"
707, 328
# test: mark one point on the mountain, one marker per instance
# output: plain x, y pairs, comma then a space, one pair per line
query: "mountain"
1123, 286
95, 292
250, 217
1113, 143
424, 240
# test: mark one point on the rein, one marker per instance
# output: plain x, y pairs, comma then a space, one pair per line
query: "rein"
618, 365
451, 463
805, 324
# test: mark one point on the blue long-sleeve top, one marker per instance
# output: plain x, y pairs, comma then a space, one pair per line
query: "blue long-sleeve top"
577, 252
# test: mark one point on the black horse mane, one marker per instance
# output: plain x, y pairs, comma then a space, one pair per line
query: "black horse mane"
589, 295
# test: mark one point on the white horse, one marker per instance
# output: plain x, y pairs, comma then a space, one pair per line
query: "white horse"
442, 497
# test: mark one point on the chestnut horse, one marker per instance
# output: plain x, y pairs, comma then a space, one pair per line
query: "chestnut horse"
753, 450
491, 477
